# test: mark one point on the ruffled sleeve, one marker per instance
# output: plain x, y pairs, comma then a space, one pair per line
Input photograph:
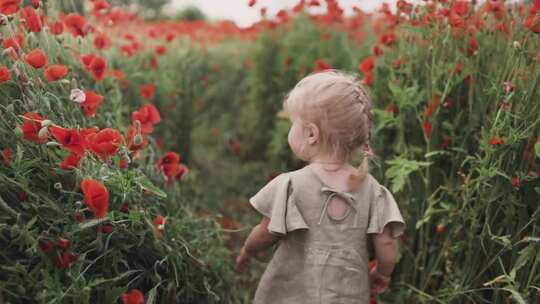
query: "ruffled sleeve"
275, 201
384, 210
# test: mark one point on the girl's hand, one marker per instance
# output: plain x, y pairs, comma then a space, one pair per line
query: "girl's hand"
379, 282
242, 261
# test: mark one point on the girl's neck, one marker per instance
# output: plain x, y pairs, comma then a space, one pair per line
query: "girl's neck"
327, 164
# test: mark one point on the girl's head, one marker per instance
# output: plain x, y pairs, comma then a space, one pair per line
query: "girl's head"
331, 116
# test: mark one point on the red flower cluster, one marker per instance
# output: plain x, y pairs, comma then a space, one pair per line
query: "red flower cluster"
148, 116
366, 67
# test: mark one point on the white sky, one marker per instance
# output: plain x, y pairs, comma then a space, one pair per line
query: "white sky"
239, 11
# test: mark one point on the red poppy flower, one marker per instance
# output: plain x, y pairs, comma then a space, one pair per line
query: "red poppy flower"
87, 60
56, 28
367, 65
428, 128
64, 243
135, 296
252, 3
104, 143
376, 50
388, 39
495, 140
473, 46
124, 207
368, 79
100, 5
45, 245
183, 171
516, 182
71, 161
168, 164
31, 127
36, 58
148, 91
65, 259
106, 228
16, 43
148, 116
35, 4
98, 68
432, 106
7, 154
22, 196
391, 108
96, 197
91, 103
55, 72
159, 226
161, 50
117, 74
70, 139
32, 21
102, 41
446, 142
8, 7
4, 74
76, 24
321, 65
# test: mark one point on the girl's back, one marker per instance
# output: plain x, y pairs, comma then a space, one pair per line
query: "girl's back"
322, 256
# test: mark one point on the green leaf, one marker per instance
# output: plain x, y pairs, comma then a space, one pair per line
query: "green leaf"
537, 149
400, 169
524, 256
146, 184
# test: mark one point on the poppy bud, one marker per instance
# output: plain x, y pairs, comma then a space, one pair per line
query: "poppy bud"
43, 132
46, 123
53, 144
137, 140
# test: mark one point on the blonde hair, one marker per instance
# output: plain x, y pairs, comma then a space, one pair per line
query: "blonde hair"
339, 105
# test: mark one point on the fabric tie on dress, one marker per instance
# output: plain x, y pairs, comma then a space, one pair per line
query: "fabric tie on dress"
348, 198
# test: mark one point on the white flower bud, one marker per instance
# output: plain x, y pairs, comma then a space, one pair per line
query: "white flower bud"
517, 45
77, 95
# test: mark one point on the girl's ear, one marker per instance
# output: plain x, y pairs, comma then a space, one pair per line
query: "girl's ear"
313, 133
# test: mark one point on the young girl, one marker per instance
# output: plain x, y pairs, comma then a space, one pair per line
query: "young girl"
321, 215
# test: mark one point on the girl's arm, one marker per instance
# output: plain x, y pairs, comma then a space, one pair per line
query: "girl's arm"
258, 240
386, 251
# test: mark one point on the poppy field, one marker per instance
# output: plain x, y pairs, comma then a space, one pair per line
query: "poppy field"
129, 146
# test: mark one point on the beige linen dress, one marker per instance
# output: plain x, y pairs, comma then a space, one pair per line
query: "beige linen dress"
321, 259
